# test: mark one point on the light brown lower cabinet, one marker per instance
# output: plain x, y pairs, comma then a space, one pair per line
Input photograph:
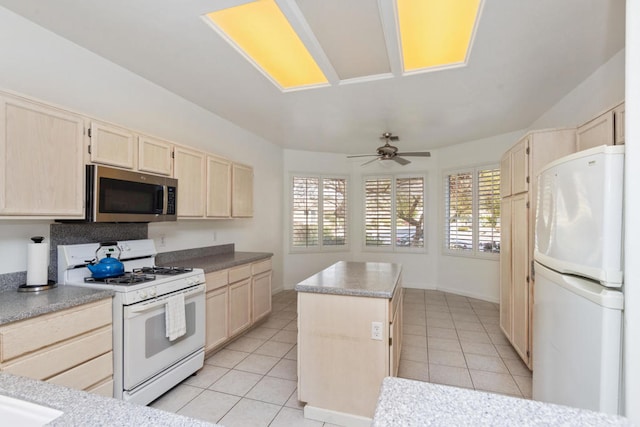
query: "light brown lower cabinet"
71, 347
236, 299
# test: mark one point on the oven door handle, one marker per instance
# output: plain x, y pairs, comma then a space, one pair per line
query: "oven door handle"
150, 305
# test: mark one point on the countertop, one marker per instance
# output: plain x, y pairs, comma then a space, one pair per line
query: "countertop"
86, 409
415, 403
364, 279
209, 259
16, 305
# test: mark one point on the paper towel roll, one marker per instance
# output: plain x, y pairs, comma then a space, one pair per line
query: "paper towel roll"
37, 264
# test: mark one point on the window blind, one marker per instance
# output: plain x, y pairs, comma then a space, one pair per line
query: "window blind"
334, 212
489, 210
378, 212
459, 212
410, 212
305, 206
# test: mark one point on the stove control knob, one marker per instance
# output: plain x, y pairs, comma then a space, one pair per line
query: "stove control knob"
142, 294
152, 292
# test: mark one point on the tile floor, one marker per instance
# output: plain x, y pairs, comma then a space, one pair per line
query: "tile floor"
448, 339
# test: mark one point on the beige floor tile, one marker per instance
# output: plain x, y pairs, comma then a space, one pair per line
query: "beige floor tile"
493, 321
414, 308
413, 370
290, 337
524, 384
236, 382
492, 328
272, 390
176, 398
293, 401
446, 333
278, 306
438, 315
417, 354
292, 354
479, 348
414, 319
209, 406
498, 383
474, 336
435, 343
468, 326
257, 363
459, 305
289, 417
415, 330
517, 367
437, 308
291, 326
414, 292
274, 348
250, 413
226, 358
464, 317
276, 323
415, 341
287, 315
441, 323
287, 369
449, 358
206, 376
484, 308
291, 307
486, 363
262, 333
450, 375
246, 344
499, 338
506, 351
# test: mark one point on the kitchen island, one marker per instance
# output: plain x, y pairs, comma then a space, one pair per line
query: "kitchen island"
349, 339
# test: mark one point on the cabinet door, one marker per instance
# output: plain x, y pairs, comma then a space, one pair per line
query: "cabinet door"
618, 120
218, 187
41, 161
520, 167
216, 328
505, 174
395, 332
506, 303
261, 295
154, 155
239, 306
242, 191
520, 276
598, 131
189, 169
111, 145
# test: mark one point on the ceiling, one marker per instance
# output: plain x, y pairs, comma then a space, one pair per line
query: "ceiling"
526, 55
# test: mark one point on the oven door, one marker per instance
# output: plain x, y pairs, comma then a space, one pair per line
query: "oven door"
147, 351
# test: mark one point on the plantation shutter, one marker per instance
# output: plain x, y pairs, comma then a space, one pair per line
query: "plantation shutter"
410, 212
305, 206
489, 210
459, 211
334, 212
378, 212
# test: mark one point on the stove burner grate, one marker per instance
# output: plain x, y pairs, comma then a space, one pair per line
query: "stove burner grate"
168, 271
125, 279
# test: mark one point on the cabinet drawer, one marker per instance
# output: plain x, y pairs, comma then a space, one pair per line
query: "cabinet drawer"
58, 359
238, 273
32, 334
217, 279
261, 266
88, 374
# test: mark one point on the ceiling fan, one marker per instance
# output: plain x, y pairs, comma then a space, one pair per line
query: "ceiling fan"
390, 152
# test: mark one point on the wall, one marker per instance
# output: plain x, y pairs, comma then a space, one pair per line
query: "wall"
38, 63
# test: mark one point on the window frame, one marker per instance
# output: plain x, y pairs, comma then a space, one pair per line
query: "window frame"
321, 247
394, 248
475, 251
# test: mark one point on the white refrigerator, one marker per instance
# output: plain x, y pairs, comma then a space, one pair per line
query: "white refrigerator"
578, 299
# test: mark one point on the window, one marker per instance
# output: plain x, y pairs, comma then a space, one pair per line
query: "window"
394, 212
472, 211
319, 213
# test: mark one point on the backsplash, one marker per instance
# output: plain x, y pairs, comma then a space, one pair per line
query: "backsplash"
67, 234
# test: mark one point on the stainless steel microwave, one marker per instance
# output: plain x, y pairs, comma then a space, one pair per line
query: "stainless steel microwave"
116, 195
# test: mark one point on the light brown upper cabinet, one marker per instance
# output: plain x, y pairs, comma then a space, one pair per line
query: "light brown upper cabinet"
112, 145
605, 129
189, 169
242, 191
218, 187
41, 160
154, 155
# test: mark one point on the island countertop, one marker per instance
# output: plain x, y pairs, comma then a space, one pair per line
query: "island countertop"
365, 279
415, 403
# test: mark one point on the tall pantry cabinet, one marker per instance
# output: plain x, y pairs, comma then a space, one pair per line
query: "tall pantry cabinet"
519, 169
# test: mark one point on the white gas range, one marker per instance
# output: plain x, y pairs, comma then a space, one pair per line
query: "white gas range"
147, 362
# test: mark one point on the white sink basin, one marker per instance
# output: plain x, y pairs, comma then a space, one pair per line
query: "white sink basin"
16, 412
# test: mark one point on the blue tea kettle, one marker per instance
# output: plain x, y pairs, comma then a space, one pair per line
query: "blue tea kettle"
108, 266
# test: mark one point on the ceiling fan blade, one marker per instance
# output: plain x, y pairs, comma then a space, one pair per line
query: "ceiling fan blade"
400, 160
362, 155
415, 153
370, 161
